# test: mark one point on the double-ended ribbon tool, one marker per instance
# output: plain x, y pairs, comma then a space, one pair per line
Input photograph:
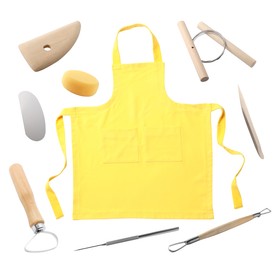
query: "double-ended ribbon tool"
215, 231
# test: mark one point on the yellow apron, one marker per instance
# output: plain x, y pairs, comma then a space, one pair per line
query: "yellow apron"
141, 155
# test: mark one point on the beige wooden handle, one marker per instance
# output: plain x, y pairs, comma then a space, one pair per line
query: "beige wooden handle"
230, 46
225, 227
199, 66
25, 194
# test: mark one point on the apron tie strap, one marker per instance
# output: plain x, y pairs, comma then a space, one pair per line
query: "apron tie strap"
220, 137
60, 128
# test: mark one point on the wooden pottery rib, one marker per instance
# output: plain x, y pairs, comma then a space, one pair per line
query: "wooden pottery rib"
47, 49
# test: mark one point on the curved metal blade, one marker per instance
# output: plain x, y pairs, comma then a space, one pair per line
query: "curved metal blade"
32, 115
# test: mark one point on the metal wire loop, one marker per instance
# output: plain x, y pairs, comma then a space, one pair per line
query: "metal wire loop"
55, 243
265, 211
220, 36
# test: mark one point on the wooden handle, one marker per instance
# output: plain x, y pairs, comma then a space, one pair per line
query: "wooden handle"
225, 227
199, 66
230, 46
25, 194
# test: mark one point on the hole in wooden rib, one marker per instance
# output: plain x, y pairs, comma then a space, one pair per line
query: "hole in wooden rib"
47, 47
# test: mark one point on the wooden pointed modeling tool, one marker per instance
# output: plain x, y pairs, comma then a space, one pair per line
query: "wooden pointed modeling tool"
47, 49
250, 125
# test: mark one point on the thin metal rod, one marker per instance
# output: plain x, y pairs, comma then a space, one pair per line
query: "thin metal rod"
113, 242
88, 247
159, 232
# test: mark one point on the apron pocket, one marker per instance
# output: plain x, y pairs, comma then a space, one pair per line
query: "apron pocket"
120, 145
162, 144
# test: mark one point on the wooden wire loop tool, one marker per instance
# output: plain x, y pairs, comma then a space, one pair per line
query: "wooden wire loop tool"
195, 57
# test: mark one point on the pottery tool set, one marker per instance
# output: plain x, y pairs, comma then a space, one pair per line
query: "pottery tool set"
132, 146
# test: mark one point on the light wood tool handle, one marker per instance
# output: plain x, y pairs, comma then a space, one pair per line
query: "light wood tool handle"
230, 46
25, 194
199, 66
225, 227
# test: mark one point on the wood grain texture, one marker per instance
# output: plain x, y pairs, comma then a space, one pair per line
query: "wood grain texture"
199, 66
47, 49
25, 194
225, 227
250, 125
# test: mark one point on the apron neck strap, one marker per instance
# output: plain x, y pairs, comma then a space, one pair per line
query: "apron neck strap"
156, 48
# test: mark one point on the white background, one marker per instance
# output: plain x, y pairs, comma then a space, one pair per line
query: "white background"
251, 25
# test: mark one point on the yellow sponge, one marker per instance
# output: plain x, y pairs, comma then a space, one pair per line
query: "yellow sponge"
80, 83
